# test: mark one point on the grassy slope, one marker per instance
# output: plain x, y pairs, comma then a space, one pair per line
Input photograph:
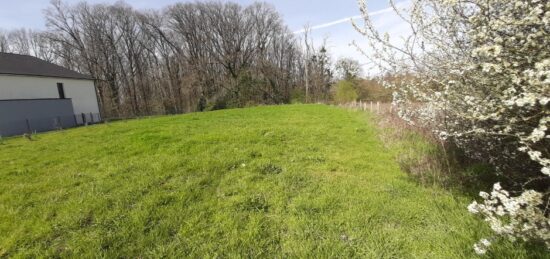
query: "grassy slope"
291, 181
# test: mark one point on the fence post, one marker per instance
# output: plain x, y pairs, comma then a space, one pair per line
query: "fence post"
371, 109
377, 107
28, 126
75, 120
92, 118
57, 123
84, 119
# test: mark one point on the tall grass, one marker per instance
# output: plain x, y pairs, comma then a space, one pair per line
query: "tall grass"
423, 156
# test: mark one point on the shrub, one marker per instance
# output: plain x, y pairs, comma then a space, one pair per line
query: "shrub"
372, 90
480, 79
345, 92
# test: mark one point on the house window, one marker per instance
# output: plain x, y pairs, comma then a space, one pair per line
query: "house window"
61, 91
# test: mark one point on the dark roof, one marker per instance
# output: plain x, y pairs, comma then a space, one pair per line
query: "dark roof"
14, 64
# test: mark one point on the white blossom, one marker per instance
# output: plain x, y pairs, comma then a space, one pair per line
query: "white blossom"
478, 71
479, 249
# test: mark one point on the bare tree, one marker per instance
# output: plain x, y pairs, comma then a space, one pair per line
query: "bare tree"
188, 57
4, 42
348, 69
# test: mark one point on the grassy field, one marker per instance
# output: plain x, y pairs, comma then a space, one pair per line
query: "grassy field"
288, 181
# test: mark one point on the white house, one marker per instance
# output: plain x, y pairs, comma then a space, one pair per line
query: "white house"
36, 95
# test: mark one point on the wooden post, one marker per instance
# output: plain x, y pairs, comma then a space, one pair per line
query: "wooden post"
377, 107
371, 109
92, 118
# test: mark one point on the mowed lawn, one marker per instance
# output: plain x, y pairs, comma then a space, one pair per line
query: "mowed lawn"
287, 182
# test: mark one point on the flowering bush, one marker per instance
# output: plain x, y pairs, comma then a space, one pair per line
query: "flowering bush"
481, 71
513, 216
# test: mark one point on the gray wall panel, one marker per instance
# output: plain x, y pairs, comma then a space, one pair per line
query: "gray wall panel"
16, 116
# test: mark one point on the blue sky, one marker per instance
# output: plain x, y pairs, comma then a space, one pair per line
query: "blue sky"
296, 14
28, 13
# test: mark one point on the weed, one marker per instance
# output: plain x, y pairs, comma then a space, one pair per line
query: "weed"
255, 203
270, 169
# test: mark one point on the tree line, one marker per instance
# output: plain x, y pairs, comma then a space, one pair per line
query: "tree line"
186, 57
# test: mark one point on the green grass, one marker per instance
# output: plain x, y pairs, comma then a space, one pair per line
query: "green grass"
288, 181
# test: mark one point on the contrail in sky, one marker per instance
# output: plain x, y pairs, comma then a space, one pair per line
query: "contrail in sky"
348, 19
345, 20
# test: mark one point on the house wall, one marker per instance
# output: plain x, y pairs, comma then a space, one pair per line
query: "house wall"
82, 92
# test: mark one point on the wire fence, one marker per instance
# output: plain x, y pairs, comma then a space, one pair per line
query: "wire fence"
374, 107
43, 124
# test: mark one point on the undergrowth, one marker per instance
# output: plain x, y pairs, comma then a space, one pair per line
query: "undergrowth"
430, 161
